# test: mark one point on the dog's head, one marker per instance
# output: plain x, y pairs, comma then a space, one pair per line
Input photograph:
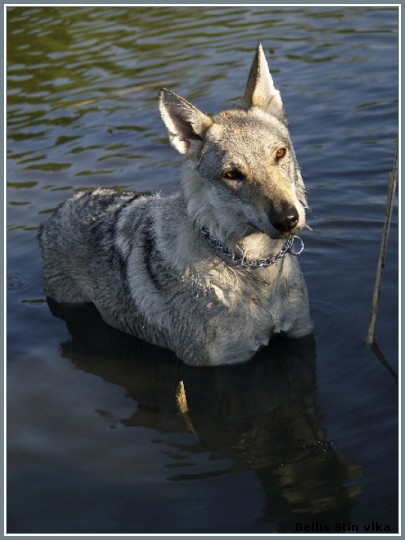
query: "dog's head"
241, 175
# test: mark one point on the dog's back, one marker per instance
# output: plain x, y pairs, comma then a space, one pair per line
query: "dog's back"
84, 256
208, 272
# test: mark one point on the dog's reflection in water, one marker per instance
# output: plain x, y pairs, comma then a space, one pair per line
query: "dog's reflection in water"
262, 415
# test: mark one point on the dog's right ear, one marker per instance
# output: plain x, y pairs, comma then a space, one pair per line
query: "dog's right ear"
184, 122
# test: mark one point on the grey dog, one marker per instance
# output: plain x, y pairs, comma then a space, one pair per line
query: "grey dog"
210, 272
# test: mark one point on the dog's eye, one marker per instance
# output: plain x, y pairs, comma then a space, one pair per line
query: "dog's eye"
281, 152
233, 174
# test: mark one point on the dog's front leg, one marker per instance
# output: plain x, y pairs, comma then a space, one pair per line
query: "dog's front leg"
298, 320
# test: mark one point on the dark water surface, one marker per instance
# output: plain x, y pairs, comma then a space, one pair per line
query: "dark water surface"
306, 434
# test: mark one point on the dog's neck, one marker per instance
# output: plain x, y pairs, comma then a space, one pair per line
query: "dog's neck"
243, 255
236, 244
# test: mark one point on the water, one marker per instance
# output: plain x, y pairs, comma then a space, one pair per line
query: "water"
305, 435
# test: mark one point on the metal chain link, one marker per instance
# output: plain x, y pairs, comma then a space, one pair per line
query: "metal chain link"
237, 260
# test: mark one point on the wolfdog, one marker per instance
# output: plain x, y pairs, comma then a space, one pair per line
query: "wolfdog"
210, 272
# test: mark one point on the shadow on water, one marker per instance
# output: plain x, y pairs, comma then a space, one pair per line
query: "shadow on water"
262, 416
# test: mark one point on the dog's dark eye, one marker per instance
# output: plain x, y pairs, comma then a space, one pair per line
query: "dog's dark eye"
233, 174
281, 152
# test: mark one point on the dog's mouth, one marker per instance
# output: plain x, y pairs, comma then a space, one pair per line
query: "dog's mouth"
276, 236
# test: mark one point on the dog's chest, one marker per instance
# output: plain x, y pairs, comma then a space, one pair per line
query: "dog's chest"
255, 298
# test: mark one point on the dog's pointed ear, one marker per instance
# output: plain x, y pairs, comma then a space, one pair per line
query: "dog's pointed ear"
184, 122
260, 91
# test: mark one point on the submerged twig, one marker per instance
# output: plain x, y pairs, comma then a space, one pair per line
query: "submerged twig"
377, 351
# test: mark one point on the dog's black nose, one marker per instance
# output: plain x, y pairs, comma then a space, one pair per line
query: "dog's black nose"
284, 220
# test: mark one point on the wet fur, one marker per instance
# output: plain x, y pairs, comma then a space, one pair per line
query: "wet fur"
143, 261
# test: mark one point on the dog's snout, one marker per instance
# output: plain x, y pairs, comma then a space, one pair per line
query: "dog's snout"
284, 220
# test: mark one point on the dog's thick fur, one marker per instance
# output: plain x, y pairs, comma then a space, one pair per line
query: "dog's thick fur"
144, 261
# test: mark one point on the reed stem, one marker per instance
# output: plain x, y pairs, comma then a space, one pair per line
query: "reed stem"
392, 184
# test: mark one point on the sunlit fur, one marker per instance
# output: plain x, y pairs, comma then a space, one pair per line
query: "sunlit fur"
144, 262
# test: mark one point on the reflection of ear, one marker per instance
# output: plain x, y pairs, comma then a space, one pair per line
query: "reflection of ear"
184, 122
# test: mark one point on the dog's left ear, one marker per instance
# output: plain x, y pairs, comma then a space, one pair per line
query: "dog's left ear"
184, 122
260, 91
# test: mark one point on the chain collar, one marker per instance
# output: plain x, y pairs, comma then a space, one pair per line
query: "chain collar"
237, 260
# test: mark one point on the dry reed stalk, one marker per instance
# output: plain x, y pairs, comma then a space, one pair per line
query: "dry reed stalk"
392, 184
